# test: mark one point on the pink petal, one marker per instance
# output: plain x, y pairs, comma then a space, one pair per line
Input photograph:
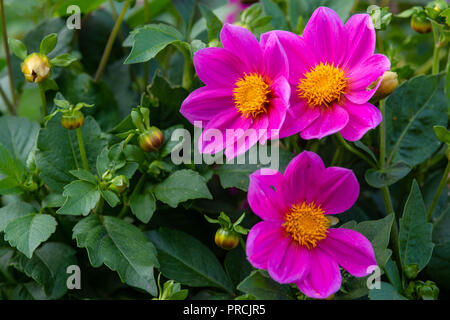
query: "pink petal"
351, 250
218, 67
302, 178
338, 190
245, 141
243, 43
278, 106
299, 116
330, 121
275, 60
205, 103
289, 262
363, 75
262, 239
324, 33
361, 39
324, 277
265, 195
362, 118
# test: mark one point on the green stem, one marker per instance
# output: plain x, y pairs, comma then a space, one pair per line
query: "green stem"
110, 42
43, 101
355, 151
436, 51
82, 149
146, 64
438, 191
394, 229
336, 156
8, 56
124, 207
382, 135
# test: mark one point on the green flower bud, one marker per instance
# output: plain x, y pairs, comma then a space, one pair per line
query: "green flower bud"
72, 120
420, 23
427, 290
36, 67
389, 83
411, 271
226, 239
151, 140
119, 184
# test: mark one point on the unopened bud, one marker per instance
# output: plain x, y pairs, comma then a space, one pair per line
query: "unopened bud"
420, 23
151, 140
119, 184
72, 120
389, 83
36, 67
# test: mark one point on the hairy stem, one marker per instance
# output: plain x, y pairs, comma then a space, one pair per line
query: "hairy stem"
43, 101
109, 44
82, 149
441, 186
8, 57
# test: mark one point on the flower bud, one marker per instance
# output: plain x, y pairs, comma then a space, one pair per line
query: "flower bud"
389, 83
151, 140
411, 271
72, 120
420, 23
119, 184
36, 67
226, 239
427, 290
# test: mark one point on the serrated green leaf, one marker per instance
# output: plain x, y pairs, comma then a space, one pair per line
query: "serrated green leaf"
143, 205
12, 172
84, 175
28, 232
108, 242
110, 197
81, 196
13, 211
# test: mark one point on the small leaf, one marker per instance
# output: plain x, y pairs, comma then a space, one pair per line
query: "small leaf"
63, 60
110, 197
84, 175
14, 211
18, 48
442, 134
48, 43
213, 23
143, 205
81, 196
264, 288
387, 176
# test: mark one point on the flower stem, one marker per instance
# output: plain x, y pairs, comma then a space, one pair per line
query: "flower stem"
438, 191
436, 51
8, 104
8, 56
355, 151
109, 44
82, 149
382, 135
43, 101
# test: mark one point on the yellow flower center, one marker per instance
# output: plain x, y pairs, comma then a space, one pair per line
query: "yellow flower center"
307, 224
251, 95
322, 85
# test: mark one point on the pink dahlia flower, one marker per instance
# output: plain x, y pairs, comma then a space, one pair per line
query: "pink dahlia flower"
246, 96
294, 242
332, 67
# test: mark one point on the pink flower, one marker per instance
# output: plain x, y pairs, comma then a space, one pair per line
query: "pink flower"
294, 242
246, 92
331, 69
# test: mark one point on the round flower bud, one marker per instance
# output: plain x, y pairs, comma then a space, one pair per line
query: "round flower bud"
420, 23
389, 83
36, 67
72, 120
226, 239
151, 140
119, 184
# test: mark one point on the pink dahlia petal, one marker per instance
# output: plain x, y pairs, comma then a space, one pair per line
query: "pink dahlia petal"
351, 250
302, 178
205, 103
330, 121
241, 41
362, 118
362, 76
324, 33
361, 39
289, 262
262, 239
275, 60
265, 195
299, 116
246, 140
298, 53
218, 67
278, 106
338, 191
324, 277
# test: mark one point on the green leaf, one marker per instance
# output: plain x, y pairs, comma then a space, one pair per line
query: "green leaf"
28, 232
411, 112
264, 288
81, 196
143, 205
59, 152
386, 292
110, 197
379, 178
48, 267
181, 186
149, 40
48, 43
12, 172
49, 84
237, 265
84, 175
393, 274
13, 211
18, 48
213, 23
186, 260
362, 146
415, 241
122, 247
63, 60
19, 135
442, 134
278, 18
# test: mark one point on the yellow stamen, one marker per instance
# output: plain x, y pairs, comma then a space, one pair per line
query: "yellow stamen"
307, 224
251, 95
322, 85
